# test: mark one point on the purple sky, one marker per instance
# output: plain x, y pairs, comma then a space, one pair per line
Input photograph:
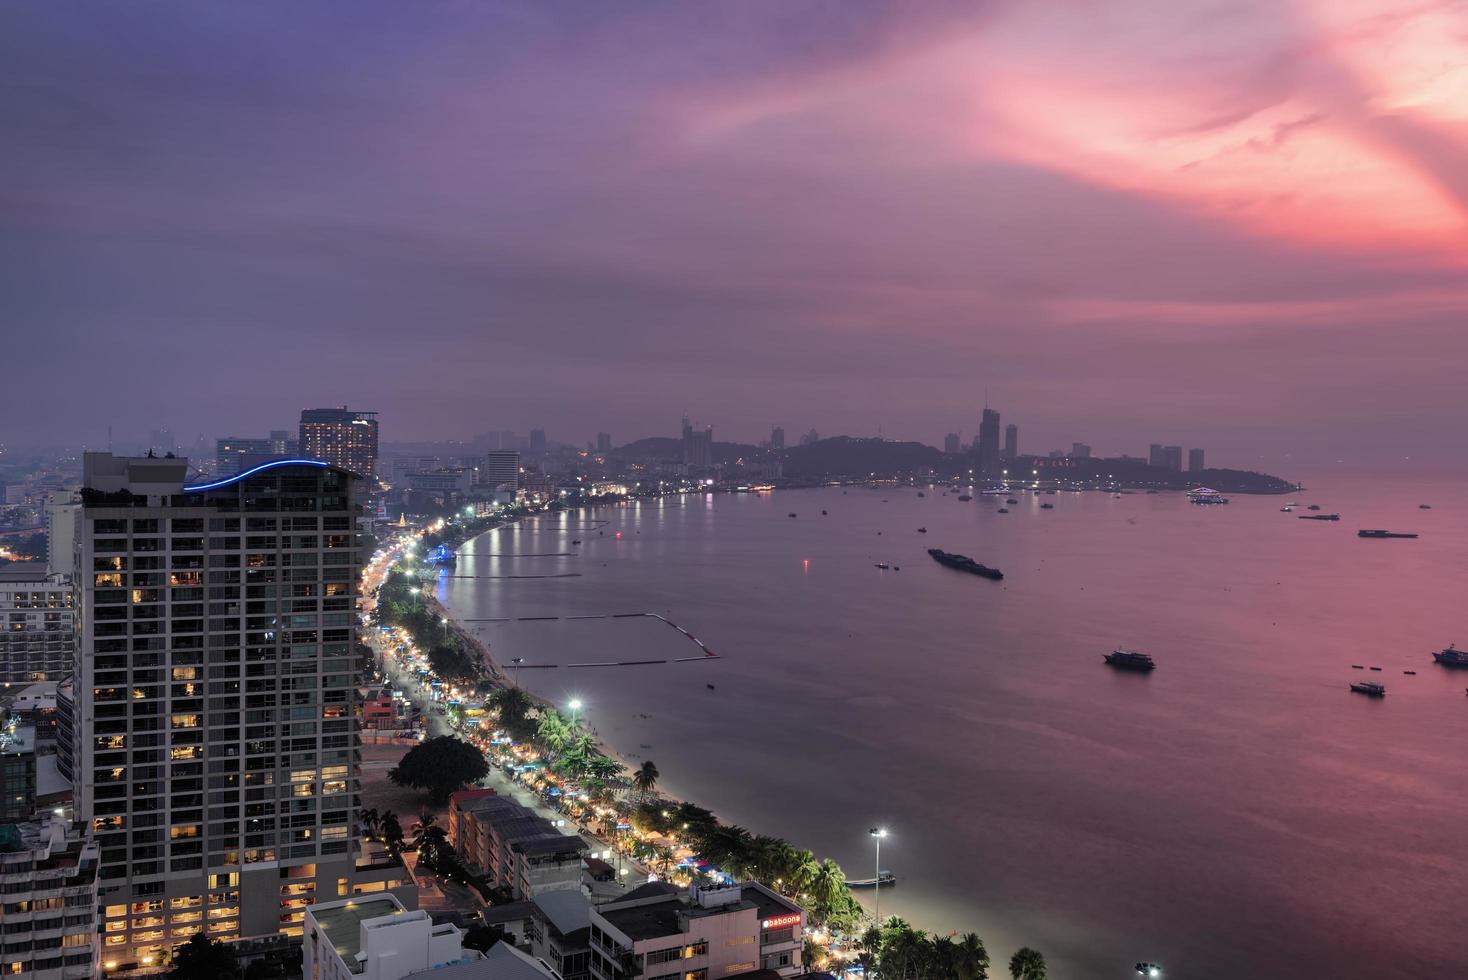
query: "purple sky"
1236, 225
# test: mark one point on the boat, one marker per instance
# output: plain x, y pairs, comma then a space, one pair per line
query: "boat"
1011, 500
1451, 657
1358, 666
1410, 673
922, 530
964, 496
1130, 660
921, 494
1372, 688
1319, 517
1424, 506
1377, 533
1004, 510
1313, 507
963, 563
792, 513
823, 513
1373, 668
1206, 495
575, 540
882, 564
883, 879
1047, 506
1286, 510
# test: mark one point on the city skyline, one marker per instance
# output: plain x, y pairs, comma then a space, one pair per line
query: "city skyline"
1287, 287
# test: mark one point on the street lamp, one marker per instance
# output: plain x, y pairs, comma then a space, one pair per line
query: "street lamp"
878, 833
575, 706
515, 679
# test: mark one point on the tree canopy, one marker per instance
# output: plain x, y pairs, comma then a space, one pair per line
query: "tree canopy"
440, 766
202, 958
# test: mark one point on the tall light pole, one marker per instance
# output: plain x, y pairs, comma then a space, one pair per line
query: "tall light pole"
878, 833
575, 706
515, 680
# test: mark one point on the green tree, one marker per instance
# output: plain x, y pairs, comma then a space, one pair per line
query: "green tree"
427, 821
202, 958
451, 663
646, 778
392, 831
480, 936
1027, 964
440, 766
973, 958
552, 732
514, 708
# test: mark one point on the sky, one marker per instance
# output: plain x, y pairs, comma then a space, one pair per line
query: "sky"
1235, 225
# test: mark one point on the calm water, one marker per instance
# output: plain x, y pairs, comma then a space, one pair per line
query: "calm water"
1237, 813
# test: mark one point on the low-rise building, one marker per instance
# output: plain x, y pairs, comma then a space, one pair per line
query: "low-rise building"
512, 845
48, 887
560, 932
376, 938
658, 932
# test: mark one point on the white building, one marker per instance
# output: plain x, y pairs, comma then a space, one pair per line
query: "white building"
500, 473
375, 938
61, 511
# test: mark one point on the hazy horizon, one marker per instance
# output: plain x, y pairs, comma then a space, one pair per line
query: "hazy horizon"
1236, 227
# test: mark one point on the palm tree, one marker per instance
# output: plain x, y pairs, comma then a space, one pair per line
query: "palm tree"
427, 822
603, 768
1027, 964
973, 958
371, 822
514, 706
392, 831
827, 888
646, 778
552, 733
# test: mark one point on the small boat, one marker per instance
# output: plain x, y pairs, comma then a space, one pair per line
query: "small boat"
1011, 500
1313, 507
922, 530
823, 513
1375, 668
1130, 660
1358, 667
1319, 517
921, 494
1371, 688
792, 513
882, 564
882, 880
1047, 506
1378, 533
964, 497
709, 686
1004, 510
964, 564
1424, 506
575, 540
1410, 673
1286, 510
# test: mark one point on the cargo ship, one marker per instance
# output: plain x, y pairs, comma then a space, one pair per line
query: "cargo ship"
1371, 688
1130, 660
964, 564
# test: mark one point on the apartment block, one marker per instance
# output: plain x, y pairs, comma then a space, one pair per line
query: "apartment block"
36, 632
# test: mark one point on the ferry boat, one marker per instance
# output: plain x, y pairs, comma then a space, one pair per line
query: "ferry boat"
882, 880
1206, 495
963, 563
1370, 688
1130, 660
1451, 657
1383, 534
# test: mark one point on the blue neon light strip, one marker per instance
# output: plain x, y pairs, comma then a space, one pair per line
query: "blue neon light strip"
253, 470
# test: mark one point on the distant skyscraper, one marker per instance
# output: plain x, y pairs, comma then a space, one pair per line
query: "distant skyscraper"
209, 731
1172, 458
951, 443
698, 446
1195, 461
777, 438
1011, 441
343, 438
500, 471
284, 443
603, 442
537, 443
1155, 455
1079, 450
35, 607
989, 443
231, 450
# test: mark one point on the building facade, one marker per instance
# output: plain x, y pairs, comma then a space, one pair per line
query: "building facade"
1011, 441
230, 452
36, 619
48, 901
500, 472
1195, 461
512, 845
211, 712
952, 444
660, 933
343, 438
375, 938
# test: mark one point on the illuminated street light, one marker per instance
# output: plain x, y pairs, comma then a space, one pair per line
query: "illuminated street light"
878, 833
575, 706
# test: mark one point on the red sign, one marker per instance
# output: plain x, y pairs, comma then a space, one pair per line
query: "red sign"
780, 921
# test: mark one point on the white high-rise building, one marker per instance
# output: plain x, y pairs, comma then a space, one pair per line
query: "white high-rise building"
500, 471
209, 729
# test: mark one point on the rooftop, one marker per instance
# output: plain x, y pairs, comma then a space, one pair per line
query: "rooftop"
342, 921
502, 962
565, 908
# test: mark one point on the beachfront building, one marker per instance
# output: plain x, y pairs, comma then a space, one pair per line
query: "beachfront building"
658, 932
512, 845
213, 747
376, 938
35, 624
560, 932
48, 887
